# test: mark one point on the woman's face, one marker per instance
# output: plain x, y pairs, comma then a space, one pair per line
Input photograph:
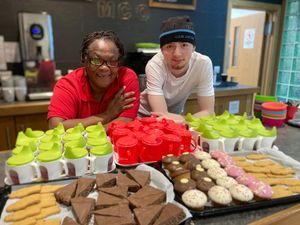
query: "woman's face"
177, 56
102, 64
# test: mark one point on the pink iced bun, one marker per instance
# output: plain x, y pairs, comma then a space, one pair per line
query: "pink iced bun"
246, 179
226, 160
261, 189
234, 171
217, 154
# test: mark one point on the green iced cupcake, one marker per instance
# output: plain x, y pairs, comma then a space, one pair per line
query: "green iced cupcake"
102, 149
33, 133
52, 155
23, 140
75, 153
23, 157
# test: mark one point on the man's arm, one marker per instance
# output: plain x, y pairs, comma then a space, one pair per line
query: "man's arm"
206, 105
157, 103
159, 108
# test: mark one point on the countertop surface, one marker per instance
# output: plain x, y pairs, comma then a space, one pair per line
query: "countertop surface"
41, 106
287, 140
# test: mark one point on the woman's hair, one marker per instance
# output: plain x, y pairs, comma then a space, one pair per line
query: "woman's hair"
106, 35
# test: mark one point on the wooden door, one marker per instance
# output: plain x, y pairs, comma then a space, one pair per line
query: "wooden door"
7, 133
246, 40
34, 121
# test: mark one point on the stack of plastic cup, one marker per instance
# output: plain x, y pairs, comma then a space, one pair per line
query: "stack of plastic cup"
259, 100
273, 113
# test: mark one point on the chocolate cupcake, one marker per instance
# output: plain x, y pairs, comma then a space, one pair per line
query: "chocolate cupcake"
205, 184
169, 159
184, 184
180, 173
191, 165
185, 157
198, 173
174, 166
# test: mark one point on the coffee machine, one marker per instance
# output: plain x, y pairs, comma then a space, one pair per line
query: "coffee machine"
37, 48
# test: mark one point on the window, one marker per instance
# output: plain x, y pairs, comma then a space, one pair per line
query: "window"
288, 76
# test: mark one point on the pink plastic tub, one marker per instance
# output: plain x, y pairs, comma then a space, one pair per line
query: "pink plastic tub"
272, 122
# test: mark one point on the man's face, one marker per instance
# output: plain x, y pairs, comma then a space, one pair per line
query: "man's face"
102, 64
177, 56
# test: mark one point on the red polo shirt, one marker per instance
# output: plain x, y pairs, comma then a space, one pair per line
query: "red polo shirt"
73, 99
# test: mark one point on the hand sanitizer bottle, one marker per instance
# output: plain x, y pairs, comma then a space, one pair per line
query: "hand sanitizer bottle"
215, 73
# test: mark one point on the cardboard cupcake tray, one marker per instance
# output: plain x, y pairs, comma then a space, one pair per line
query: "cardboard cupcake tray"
158, 180
273, 154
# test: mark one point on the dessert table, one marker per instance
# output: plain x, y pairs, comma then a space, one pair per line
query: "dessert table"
287, 141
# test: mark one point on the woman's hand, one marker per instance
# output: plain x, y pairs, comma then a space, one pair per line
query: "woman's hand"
120, 102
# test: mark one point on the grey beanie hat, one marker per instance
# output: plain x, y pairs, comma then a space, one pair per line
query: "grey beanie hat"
178, 22
177, 29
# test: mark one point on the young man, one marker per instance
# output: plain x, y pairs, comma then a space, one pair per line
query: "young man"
101, 91
176, 72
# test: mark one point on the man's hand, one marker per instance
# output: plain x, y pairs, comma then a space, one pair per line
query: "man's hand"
175, 117
120, 102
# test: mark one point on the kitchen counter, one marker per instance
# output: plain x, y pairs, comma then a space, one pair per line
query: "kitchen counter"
286, 141
231, 91
23, 108
32, 107
239, 98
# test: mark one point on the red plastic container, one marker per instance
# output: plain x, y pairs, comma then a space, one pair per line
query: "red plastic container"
186, 138
114, 125
171, 144
119, 132
128, 152
155, 131
134, 125
148, 120
152, 148
291, 111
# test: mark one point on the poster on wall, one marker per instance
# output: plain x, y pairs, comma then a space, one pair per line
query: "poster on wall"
174, 4
249, 37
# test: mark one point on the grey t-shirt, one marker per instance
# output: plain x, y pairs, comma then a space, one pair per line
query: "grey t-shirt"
198, 79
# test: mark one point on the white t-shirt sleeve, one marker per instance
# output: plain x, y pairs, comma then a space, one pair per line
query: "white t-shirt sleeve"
205, 85
155, 78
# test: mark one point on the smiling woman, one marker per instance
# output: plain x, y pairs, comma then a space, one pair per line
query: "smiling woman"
101, 91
